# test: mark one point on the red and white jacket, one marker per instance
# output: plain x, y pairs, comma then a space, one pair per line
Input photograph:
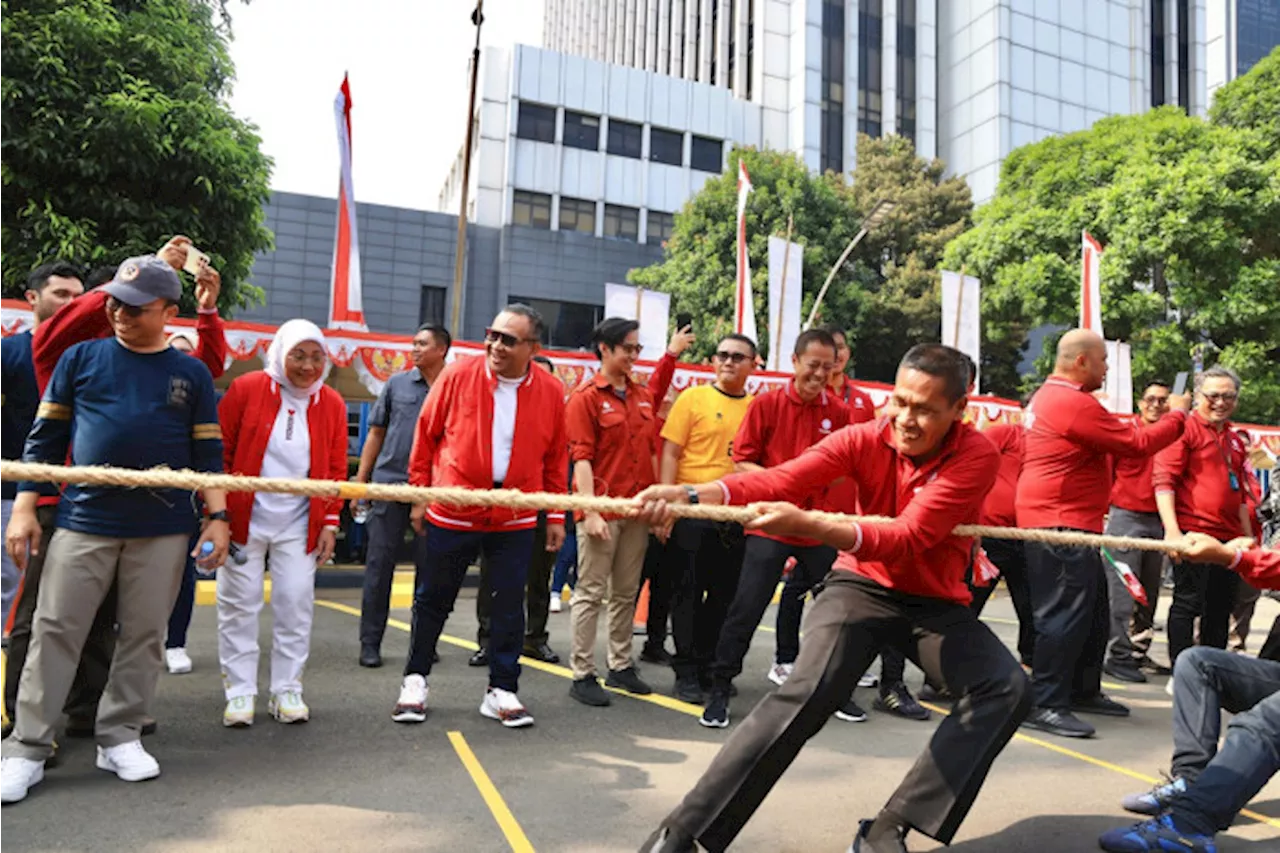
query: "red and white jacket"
248, 413
453, 444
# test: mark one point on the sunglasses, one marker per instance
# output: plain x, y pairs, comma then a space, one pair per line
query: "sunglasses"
493, 336
115, 306
1224, 398
734, 357
1156, 401
630, 349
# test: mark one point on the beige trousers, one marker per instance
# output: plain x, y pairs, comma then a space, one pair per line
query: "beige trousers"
608, 570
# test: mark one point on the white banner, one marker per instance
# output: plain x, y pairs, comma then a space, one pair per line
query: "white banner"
962, 316
651, 308
784, 299
1118, 389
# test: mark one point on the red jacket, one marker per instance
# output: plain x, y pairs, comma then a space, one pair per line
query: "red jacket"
778, 427
453, 445
1197, 469
1260, 567
659, 384
1066, 465
248, 413
916, 553
999, 509
616, 437
1132, 489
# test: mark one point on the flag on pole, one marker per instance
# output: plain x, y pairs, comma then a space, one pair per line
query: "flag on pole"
744, 306
1090, 284
345, 303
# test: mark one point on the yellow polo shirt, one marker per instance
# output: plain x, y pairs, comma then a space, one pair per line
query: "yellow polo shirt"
703, 421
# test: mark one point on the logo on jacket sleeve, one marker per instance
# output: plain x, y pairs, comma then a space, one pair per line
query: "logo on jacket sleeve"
179, 392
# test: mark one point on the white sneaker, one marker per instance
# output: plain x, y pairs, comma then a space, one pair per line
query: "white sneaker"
557, 604
178, 661
288, 707
130, 761
238, 713
411, 707
505, 707
1168, 686
780, 673
17, 776
869, 679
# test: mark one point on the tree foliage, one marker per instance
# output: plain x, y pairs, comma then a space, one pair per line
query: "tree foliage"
1188, 212
886, 294
117, 134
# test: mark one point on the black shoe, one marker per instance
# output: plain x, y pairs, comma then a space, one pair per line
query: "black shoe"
689, 690
1099, 704
1122, 670
716, 714
479, 658
851, 712
861, 845
588, 691
1058, 722
897, 699
655, 654
1148, 665
370, 656
542, 652
629, 680
929, 693
668, 840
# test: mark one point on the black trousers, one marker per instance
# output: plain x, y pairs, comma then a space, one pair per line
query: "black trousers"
762, 564
705, 560
386, 526
95, 660
1072, 619
537, 593
1205, 591
1010, 557
657, 572
848, 623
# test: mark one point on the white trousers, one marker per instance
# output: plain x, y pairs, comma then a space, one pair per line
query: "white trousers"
293, 597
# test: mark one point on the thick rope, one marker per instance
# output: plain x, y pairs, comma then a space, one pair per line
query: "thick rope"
506, 499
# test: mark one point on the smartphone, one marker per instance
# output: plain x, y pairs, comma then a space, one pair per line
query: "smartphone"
194, 257
1180, 383
684, 318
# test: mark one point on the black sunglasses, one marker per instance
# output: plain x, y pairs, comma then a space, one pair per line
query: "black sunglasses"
135, 311
735, 357
493, 336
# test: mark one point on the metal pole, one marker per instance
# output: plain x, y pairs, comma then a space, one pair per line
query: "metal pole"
455, 325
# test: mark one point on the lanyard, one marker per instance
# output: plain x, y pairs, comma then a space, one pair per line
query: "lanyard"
1226, 460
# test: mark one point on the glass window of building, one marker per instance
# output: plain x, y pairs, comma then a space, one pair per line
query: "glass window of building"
1158, 34
660, 227
531, 209
907, 69
666, 146
577, 214
537, 122
581, 130
1258, 27
568, 324
706, 155
1184, 55
831, 118
870, 33
624, 138
432, 307
621, 223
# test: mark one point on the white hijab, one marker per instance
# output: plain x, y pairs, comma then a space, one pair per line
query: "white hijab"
288, 336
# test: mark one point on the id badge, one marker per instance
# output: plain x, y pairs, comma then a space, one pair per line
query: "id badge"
1235, 483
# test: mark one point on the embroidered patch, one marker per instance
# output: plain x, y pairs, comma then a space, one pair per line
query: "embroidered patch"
179, 392
128, 272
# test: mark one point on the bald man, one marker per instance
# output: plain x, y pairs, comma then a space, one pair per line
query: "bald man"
1065, 484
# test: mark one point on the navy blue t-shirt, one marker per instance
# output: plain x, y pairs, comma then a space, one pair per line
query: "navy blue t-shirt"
20, 396
126, 409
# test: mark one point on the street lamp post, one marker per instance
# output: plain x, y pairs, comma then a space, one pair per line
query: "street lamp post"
882, 209
455, 325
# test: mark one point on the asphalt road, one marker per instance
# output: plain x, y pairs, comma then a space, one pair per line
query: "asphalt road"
582, 779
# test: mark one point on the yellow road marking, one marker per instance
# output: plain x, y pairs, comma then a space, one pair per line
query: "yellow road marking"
497, 806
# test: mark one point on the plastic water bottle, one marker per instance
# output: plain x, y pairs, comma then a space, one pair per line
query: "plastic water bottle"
360, 511
202, 566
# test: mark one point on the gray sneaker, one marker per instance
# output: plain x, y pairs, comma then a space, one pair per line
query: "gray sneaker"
1156, 800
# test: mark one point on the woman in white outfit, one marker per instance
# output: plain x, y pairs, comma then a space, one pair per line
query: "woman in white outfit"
279, 422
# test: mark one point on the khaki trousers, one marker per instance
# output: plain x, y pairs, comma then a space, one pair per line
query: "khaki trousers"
78, 572
608, 570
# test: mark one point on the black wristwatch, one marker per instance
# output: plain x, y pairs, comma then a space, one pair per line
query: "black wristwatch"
692, 493
220, 515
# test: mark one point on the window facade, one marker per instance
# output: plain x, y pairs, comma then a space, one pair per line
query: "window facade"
870, 34
907, 69
577, 214
660, 226
624, 138
707, 155
621, 223
433, 305
536, 122
531, 209
666, 146
831, 120
568, 324
1258, 30
581, 130
1158, 34
1184, 55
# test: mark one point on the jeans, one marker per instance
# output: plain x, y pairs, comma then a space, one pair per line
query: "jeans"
537, 593
449, 554
1010, 557
1205, 591
180, 617
1072, 618
1132, 624
566, 569
705, 559
385, 526
1221, 782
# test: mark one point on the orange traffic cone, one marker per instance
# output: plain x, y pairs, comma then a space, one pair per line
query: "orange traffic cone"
641, 620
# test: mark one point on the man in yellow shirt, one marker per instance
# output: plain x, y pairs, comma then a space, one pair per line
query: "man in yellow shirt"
703, 558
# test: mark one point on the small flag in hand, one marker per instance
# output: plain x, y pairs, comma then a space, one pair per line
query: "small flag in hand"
1130, 579
985, 572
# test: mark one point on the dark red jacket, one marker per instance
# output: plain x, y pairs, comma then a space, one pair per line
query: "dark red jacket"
616, 437
1260, 567
248, 413
659, 383
453, 445
1066, 466
1197, 469
1133, 489
999, 509
916, 553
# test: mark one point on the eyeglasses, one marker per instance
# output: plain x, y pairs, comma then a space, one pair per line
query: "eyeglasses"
494, 336
1228, 397
735, 357
1156, 401
631, 349
301, 358
115, 306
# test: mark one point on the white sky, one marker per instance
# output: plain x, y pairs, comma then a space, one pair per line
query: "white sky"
407, 60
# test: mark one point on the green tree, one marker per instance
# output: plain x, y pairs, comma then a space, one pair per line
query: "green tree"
117, 134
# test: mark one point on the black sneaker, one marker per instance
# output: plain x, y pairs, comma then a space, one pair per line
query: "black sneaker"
629, 680
929, 693
655, 654
864, 828
370, 656
851, 712
898, 700
542, 652
716, 714
588, 691
1099, 704
479, 658
1123, 670
1148, 665
1058, 722
689, 690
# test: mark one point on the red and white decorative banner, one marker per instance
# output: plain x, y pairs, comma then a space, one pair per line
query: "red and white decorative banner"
346, 305
1090, 284
744, 306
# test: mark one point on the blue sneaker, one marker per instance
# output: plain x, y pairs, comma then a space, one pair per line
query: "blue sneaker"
1156, 800
1158, 835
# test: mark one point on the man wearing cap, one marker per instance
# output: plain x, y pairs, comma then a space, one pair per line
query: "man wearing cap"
136, 539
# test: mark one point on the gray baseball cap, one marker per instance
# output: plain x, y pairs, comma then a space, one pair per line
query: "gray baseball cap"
143, 280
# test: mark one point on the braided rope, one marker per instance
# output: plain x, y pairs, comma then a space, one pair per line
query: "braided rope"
168, 478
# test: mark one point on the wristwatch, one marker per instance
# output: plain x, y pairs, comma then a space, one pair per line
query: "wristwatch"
692, 493
220, 515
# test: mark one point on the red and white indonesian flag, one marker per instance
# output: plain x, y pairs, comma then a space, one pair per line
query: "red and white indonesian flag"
345, 303
744, 306
1090, 284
